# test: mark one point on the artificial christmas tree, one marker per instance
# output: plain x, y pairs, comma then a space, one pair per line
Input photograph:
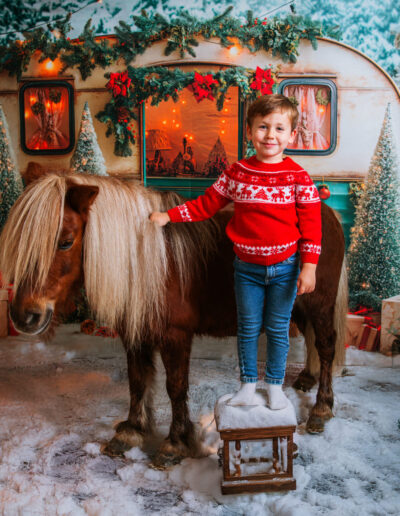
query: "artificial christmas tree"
374, 253
217, 160
88, 158
10, 179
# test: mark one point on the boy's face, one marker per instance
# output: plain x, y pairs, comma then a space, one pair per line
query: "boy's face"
270, 135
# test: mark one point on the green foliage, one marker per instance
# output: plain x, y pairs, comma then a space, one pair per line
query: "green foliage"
161, 84
10, 179
279, 35
374, 253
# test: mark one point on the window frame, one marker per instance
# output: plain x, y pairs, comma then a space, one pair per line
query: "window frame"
181, 184
71, 117
314, 81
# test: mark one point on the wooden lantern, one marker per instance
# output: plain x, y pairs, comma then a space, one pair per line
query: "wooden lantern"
269, 465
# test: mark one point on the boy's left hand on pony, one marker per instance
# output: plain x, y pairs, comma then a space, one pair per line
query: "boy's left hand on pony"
161, 218
306, 280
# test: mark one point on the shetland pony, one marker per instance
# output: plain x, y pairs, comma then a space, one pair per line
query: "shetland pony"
156, 286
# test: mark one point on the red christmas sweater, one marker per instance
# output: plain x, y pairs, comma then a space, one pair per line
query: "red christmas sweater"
277, 210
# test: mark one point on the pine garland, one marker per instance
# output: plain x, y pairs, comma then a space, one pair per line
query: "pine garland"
281, 36
161, 84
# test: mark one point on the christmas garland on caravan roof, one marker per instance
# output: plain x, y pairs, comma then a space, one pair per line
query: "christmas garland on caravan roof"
281, 36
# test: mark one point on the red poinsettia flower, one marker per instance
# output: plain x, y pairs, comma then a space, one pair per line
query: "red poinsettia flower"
202, 86
263, 81
119, 84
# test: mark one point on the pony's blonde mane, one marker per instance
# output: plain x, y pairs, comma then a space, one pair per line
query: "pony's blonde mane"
126, 257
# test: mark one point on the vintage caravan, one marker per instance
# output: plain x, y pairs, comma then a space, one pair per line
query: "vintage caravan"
341, 94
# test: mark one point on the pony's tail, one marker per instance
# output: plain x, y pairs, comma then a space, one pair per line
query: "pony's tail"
339, 323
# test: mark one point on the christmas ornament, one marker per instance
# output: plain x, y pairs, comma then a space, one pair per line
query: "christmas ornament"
324, 192
38, 108
263, 81
55, 95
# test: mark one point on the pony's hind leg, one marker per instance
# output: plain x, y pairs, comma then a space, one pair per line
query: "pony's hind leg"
132, 432
306, 379
181, 441
325, 339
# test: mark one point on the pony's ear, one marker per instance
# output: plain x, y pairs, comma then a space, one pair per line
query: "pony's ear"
33, 172
81, 197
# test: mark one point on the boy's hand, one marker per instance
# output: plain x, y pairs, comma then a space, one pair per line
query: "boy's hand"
306, 279
161, 218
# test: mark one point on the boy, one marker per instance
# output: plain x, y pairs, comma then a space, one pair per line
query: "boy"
277, 217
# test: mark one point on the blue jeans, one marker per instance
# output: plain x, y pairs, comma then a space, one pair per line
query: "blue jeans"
264, 296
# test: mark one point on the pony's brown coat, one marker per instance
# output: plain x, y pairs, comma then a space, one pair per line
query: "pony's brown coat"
157, 287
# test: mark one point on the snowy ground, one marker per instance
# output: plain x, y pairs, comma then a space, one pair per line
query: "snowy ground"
58, 403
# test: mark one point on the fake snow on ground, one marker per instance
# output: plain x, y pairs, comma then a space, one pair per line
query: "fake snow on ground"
58, 403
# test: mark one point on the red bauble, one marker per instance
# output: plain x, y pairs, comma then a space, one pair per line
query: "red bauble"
324, 192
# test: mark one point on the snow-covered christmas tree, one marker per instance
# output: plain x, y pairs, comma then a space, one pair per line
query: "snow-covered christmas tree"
88, 158
10, 179
217, 160
374, 253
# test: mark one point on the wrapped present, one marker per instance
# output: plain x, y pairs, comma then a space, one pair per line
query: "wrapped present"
390, 324
354, 328
369, 338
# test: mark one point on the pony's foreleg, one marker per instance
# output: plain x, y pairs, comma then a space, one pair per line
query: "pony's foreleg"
131, 432
325, 344
181, 441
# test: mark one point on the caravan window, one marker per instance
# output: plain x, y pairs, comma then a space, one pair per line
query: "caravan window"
316, 102
190, 139
47, 117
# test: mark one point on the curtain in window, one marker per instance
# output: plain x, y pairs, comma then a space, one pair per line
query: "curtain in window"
48, 116
313, 128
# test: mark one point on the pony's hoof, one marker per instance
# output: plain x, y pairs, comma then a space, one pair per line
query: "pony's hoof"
115, 448
316, 424
304, 382
125, 438
166, 460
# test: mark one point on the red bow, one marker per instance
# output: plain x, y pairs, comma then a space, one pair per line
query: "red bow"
201, 86
263, 81
119, 83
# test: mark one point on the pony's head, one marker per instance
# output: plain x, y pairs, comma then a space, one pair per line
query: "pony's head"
41, 250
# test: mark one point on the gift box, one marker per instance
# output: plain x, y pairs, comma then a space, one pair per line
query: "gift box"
390, 324
369, 338
354, 328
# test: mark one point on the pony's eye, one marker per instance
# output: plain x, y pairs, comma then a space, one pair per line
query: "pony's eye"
63, 245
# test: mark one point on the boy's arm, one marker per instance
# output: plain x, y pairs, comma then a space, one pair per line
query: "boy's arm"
204, 207
308, 207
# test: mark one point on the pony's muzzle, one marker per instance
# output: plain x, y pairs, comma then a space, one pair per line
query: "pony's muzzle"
32, 320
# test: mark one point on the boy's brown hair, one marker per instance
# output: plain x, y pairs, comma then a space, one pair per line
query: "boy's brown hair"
268, 104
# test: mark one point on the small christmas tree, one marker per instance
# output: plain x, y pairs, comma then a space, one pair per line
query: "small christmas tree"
10, 179
374, 253
217, 160
88, 158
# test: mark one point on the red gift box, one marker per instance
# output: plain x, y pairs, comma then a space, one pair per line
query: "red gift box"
369, 338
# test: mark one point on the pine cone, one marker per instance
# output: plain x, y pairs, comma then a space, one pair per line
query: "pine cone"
123, 113
88, 326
